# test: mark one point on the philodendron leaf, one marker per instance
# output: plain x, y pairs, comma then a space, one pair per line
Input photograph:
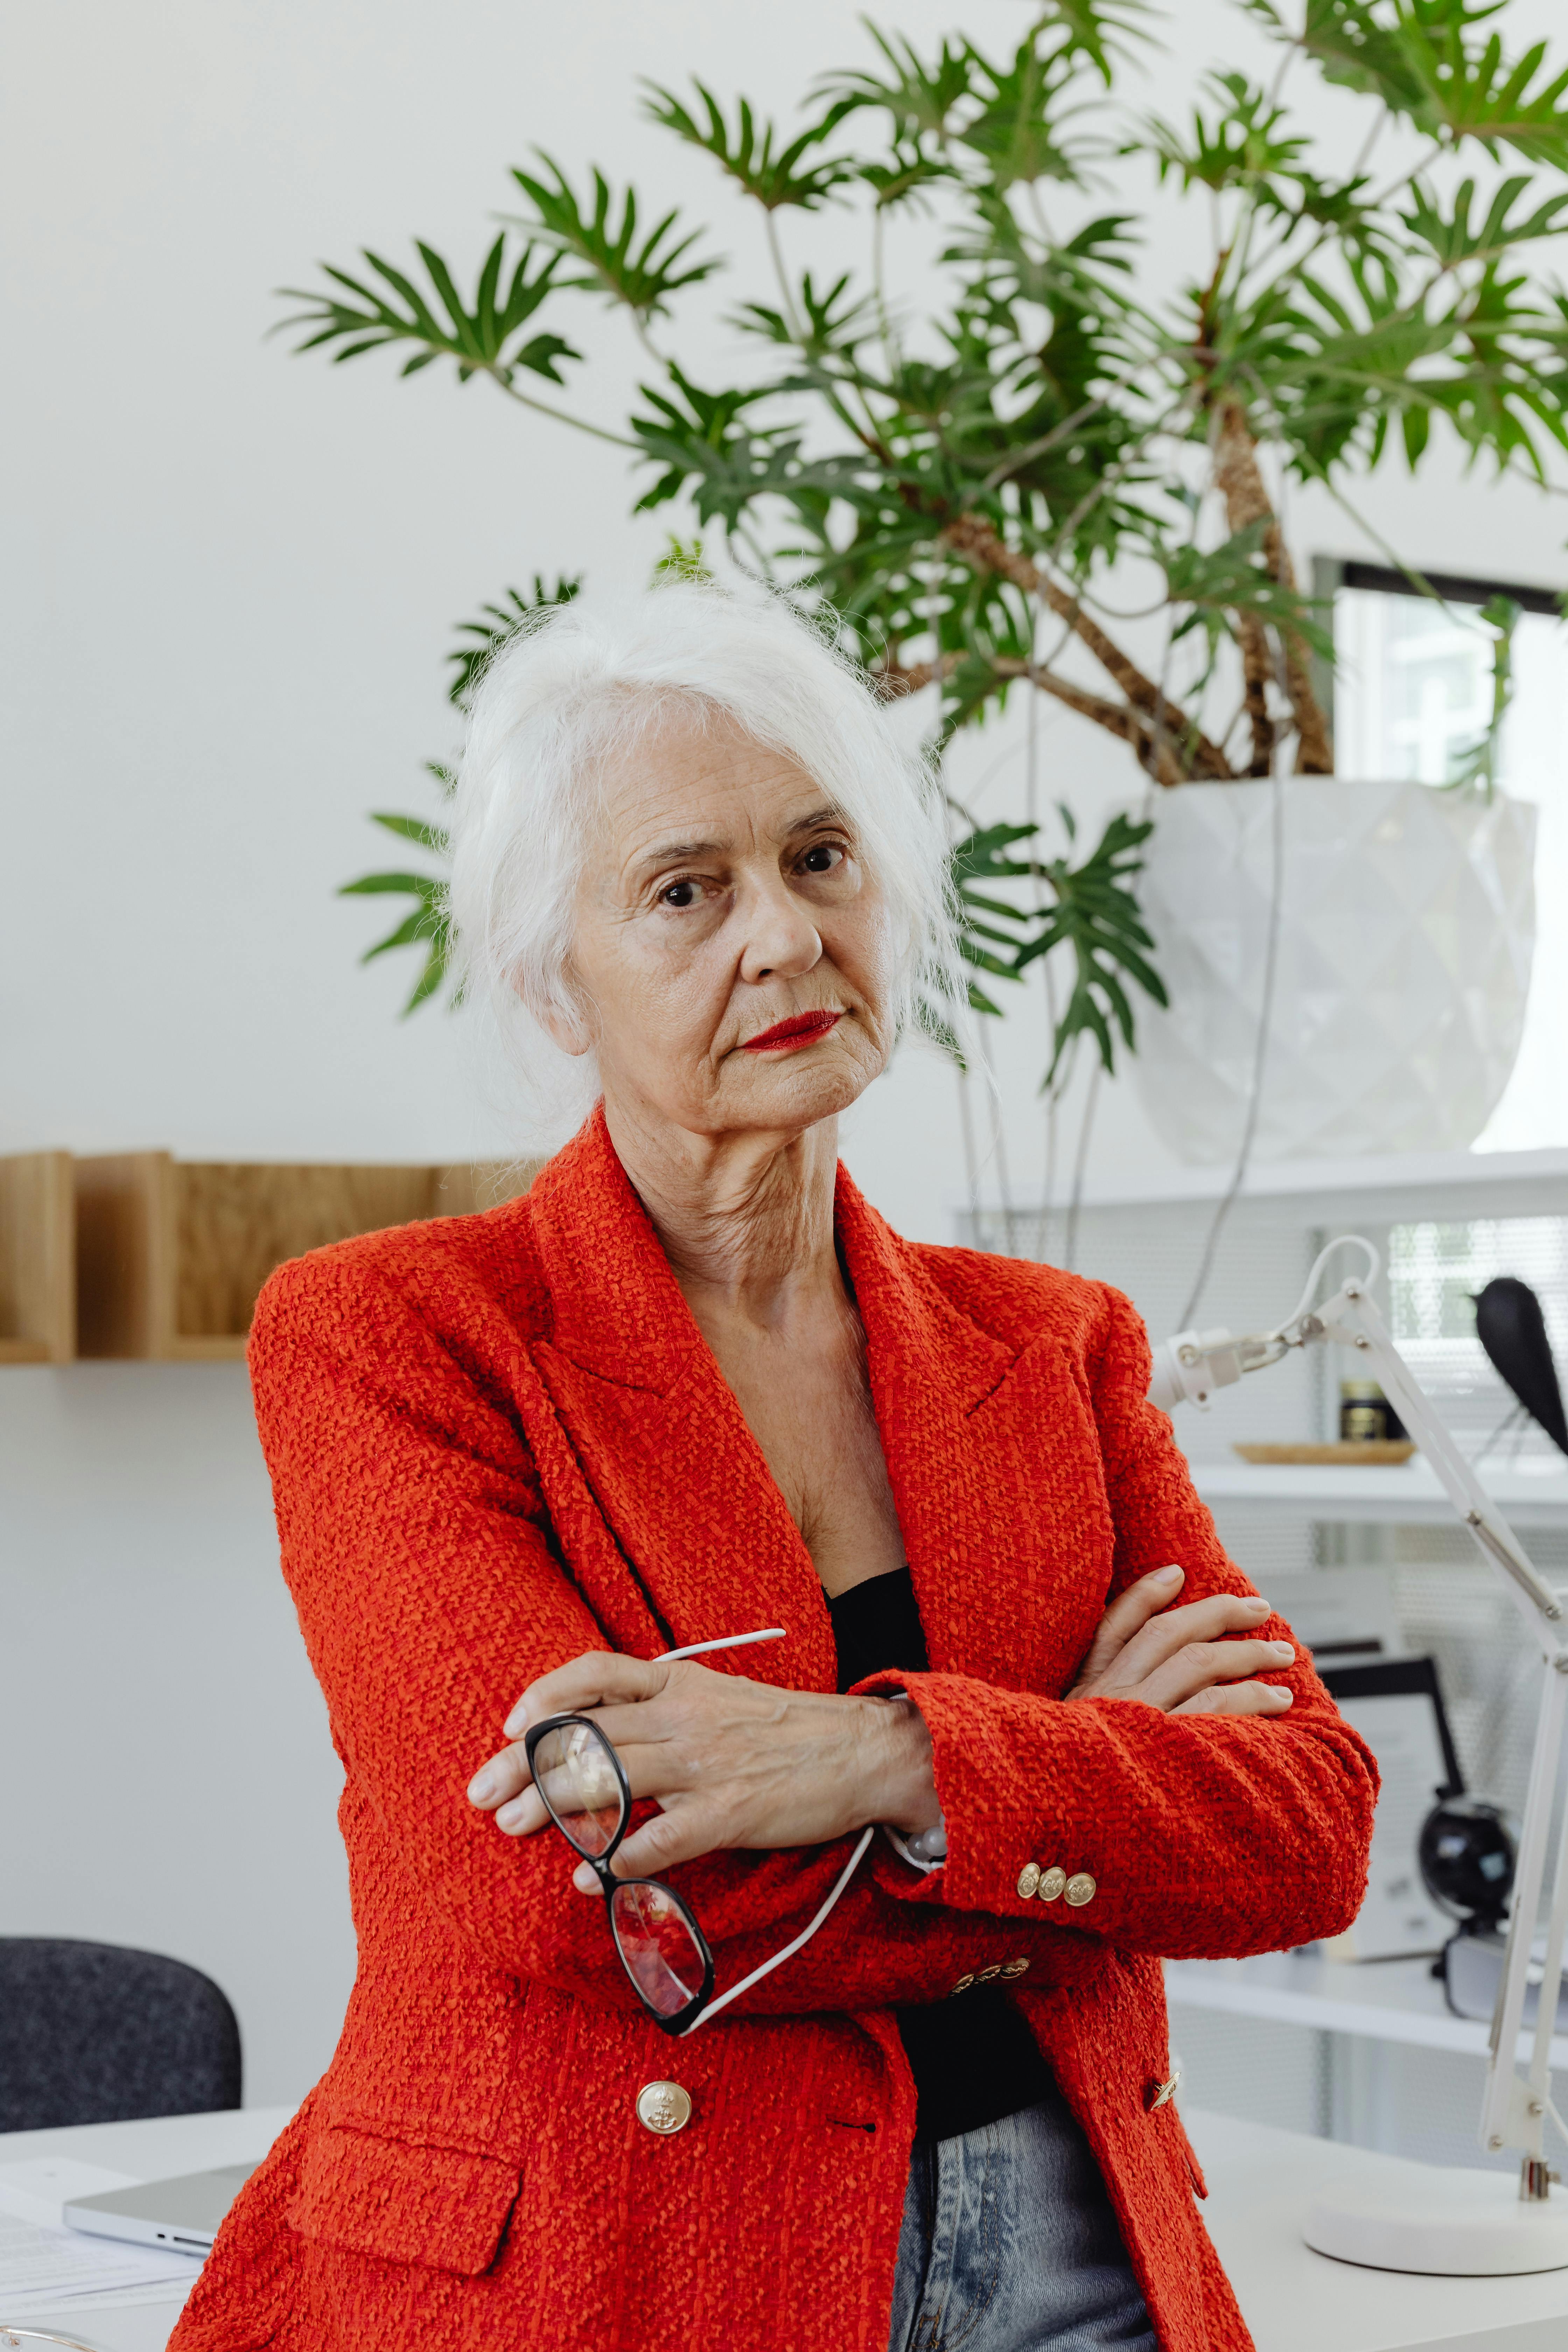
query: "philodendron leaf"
641, 274
413, 828
495, 625
775, 176
1094, 912
486, 337
426, 924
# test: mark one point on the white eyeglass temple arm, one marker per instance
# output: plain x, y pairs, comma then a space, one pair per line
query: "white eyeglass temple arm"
727, 1642
790, 1949
740, 1642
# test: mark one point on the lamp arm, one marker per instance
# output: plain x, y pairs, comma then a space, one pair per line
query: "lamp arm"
1351, 1317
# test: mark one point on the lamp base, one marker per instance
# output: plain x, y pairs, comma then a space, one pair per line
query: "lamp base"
1453, 2224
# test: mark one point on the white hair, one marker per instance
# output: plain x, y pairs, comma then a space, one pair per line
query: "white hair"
579, 686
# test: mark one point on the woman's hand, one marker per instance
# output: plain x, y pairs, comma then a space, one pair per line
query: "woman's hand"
1177, 1659
731, 1763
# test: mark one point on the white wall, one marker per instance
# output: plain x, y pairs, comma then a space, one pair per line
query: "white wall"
229, 579
168, 1779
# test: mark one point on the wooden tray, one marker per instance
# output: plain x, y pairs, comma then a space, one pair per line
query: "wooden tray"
1371, 1449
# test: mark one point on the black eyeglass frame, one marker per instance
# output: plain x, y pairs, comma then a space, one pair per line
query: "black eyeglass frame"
599, 1864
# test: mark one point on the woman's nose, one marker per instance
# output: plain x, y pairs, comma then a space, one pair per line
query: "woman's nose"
781, 938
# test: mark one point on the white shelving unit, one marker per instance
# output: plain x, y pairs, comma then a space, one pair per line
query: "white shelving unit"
1381, 2000
1403, 1493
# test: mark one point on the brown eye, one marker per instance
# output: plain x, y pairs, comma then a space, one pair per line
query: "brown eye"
678, 895
823, 858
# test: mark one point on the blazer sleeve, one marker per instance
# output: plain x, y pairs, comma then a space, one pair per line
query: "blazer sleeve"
1204, 1836
430, 1592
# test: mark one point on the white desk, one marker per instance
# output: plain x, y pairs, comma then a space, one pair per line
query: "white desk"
156, 2150
1259, 2182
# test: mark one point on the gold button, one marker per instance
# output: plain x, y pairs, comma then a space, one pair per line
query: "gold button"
1080, 1890
1015, 1969
1028, 1879
985, 1975
664, 2107
963, 1985
1052, 1880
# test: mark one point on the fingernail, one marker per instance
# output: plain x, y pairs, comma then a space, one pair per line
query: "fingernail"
516, 1721
1255, 1601
1283, 1649
1166, 1575
584, 1880
512, 1816
482, 1786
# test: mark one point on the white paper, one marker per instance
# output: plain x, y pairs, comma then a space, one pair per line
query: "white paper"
42, 2267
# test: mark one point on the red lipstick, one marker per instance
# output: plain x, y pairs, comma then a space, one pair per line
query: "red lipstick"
789, 1037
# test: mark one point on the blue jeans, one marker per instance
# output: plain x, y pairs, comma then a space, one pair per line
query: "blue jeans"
1009, 2244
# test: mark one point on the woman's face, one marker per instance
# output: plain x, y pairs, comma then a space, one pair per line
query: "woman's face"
735, 958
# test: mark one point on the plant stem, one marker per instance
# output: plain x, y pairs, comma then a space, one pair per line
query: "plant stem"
1239, 479
792, 316
1081, 1164
978, 543
543, 408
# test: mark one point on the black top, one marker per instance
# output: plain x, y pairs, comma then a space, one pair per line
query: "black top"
974, 2058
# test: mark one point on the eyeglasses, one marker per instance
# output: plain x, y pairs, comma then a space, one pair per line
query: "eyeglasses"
583, 1786
11, 2337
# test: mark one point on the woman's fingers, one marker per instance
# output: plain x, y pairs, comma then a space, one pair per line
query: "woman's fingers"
651, 1769
505, 1776
682, 1835
1128, 1613
595, 1679
1202, 1665
1237, 1698
523, 1815
657, 1846
1175, 1630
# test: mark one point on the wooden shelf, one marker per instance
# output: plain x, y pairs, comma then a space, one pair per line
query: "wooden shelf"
172, 1254
38, 1259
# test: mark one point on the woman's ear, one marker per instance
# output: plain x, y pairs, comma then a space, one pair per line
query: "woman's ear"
565, 1022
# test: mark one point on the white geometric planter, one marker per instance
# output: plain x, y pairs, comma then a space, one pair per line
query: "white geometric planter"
1406, 930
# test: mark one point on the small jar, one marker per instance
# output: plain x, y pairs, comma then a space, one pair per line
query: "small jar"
1366, 1417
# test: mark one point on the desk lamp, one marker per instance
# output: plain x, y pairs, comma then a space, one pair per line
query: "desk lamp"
1457, 2223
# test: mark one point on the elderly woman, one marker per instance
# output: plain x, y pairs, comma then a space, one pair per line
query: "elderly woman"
692, 1388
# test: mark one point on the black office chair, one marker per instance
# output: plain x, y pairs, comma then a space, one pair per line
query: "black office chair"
92, 2033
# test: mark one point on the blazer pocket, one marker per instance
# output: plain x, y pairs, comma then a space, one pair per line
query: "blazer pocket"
405, 2201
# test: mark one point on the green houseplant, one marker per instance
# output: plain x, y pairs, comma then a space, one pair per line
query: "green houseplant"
1057, 473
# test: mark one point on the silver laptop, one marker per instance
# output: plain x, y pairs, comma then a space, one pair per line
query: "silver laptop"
182, 2214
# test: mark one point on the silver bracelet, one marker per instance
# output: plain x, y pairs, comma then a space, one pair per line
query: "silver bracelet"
926, 1851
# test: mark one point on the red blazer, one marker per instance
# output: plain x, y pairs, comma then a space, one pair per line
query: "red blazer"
499, 1441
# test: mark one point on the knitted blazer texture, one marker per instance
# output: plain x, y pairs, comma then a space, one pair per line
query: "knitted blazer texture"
499, 1441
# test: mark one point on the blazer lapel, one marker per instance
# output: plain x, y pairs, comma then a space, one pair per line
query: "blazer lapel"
986, 1438
657, 1435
